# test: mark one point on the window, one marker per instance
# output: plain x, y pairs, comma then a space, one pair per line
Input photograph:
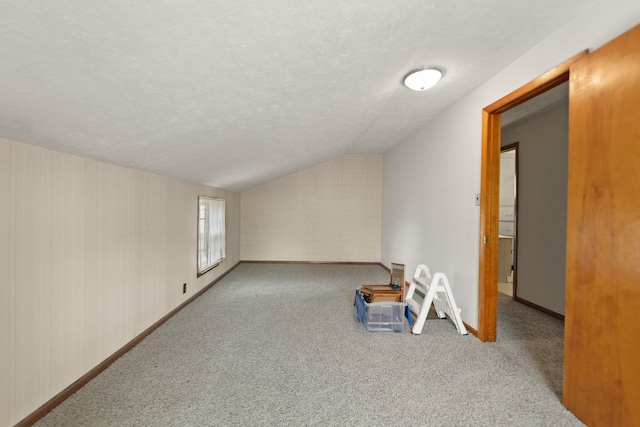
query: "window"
211, 233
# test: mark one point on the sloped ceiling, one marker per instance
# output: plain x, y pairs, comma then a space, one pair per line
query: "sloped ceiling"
236, 93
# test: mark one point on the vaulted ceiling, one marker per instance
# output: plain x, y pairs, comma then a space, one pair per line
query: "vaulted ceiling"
236, 93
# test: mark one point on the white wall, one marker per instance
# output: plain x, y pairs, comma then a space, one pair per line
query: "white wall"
429, 214
542, 205
91, 255
329, 212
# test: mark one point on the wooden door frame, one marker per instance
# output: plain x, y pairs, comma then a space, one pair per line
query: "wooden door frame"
490, 191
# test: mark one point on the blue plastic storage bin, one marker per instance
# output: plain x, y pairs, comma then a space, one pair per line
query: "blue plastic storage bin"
380, 316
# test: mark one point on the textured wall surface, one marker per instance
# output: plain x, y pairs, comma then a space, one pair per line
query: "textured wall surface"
329, 212
91, 254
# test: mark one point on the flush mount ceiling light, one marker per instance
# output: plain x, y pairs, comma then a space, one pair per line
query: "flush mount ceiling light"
422, 79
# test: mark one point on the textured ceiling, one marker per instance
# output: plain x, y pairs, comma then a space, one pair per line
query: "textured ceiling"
236, 93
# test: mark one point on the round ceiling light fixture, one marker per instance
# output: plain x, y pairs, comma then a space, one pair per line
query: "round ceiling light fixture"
423, 78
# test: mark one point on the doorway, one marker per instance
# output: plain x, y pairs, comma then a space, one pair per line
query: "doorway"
489, 192
507, 220
600, 381
541, 128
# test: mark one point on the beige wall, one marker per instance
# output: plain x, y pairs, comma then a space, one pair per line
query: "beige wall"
91, 254
329, 212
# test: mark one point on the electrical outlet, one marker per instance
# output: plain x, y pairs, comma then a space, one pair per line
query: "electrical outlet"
184, 288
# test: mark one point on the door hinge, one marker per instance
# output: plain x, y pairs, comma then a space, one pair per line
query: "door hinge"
485, 240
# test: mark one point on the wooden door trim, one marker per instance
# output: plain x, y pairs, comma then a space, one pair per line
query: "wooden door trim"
489, 191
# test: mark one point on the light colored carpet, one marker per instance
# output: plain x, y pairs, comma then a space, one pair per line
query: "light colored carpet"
279, 345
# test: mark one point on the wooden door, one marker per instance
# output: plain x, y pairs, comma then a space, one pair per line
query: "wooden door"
602, 323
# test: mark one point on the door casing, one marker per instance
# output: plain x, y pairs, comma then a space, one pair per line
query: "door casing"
490, 191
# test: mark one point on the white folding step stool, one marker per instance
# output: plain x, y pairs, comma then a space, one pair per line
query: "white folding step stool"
436, 291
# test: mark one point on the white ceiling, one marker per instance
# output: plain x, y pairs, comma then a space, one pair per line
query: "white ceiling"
236, 93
